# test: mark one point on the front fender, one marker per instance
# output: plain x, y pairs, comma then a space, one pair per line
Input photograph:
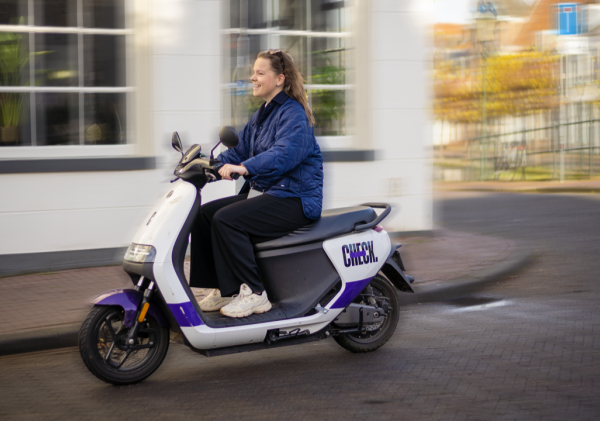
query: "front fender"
129, 300
393, 271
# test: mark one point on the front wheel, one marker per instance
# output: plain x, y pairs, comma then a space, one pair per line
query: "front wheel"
105, 353
378, 292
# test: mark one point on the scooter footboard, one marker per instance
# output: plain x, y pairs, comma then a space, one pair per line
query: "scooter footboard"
129, 300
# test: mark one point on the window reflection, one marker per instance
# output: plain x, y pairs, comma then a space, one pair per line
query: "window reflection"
328, 61
13, 12
57, 118
105, 120
329, 108
328, 15
55, 12
104, 60
14, 59
56, 60
104, 14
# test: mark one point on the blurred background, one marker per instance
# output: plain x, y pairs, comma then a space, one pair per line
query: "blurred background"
404, 93
516, 92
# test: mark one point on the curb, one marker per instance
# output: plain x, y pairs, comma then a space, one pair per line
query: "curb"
557, 190
446, 290
39, 340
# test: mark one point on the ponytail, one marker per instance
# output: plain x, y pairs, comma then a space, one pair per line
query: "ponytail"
282, 63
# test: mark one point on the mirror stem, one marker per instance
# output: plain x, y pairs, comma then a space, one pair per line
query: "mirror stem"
212, 158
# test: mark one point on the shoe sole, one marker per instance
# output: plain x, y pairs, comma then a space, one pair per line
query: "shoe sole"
258, 310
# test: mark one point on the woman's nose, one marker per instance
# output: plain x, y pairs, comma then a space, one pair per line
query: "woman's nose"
253, 78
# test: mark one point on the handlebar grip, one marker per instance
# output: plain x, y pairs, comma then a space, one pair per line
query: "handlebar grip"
235, 175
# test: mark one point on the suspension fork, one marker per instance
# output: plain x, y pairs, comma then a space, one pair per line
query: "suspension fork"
141, 313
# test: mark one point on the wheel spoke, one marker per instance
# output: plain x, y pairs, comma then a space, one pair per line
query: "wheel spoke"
123, 360
108, 324
109, 352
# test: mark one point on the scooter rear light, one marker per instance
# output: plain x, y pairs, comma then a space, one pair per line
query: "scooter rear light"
378, 228
139, 253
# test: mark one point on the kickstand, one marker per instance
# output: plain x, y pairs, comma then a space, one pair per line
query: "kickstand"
361, 329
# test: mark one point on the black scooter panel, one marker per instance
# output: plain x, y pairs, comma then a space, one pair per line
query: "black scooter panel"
297, 278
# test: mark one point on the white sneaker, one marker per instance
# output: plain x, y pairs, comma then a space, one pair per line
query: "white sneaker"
213, 301
246, 303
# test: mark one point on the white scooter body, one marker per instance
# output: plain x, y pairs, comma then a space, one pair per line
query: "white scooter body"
161, 229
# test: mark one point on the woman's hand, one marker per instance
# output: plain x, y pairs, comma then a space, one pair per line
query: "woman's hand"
226, 170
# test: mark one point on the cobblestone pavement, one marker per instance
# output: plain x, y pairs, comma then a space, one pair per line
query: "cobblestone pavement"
529, 355
525, 348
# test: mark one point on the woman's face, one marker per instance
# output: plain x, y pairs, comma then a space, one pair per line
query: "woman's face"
265, 80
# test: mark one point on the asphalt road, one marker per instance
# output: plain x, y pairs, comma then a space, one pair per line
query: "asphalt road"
526, 348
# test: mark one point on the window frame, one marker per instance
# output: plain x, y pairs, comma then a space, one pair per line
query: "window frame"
333, 143
56, 152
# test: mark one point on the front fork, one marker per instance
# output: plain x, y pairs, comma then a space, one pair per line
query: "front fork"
141, 312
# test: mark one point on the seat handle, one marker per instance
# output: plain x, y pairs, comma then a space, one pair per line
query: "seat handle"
380, 218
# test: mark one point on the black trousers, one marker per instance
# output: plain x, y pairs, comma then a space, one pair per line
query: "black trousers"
223, 235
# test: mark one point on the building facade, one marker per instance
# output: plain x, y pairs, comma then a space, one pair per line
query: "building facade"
97, 88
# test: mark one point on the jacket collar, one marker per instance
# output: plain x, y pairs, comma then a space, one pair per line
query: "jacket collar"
280, 98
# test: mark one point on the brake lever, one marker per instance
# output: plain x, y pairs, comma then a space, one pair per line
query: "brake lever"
175, 179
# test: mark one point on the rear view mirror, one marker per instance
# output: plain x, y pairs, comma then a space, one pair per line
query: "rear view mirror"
228, 136
176, 142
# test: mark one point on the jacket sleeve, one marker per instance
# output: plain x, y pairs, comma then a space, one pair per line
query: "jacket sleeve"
240, 153
292, 145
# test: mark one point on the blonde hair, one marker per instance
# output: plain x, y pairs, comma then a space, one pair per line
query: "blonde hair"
283, 64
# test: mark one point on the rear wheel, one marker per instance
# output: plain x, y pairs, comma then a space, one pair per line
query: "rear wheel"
379, 292
105, 353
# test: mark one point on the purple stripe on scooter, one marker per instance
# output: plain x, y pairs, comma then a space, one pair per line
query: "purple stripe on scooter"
129, 300
350, 293
358, 254
185, 314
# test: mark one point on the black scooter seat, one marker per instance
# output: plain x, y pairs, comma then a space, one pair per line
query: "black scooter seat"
333, 222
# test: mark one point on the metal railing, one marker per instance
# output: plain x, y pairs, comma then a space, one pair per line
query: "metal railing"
561, 156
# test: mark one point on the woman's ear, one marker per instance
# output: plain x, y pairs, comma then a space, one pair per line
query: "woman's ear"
280, 80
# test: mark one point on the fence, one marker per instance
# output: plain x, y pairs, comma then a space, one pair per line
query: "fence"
568, 151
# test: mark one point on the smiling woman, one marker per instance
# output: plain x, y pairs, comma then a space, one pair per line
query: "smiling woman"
266, 82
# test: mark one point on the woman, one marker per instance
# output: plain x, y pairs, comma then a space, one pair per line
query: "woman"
278, 155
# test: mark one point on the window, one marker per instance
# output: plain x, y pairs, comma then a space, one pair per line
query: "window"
63, 73
316, 33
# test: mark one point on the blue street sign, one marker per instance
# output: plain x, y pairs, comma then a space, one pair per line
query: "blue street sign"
568, 19
489, 7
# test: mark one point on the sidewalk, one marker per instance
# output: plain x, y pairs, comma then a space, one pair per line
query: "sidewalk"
45, 310
571, 186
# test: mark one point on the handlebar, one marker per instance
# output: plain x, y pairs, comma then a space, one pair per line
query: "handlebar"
235, 175
380, 218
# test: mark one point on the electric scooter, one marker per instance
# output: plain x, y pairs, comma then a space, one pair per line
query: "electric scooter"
336, 277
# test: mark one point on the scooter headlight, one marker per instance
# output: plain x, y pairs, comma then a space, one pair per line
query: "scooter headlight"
140, 253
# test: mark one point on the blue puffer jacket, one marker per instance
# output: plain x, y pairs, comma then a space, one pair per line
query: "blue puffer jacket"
284, 146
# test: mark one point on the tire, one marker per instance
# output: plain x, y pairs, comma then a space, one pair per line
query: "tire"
103, 333
377, 334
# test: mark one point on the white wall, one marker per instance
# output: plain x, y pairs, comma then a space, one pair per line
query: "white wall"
399, 130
